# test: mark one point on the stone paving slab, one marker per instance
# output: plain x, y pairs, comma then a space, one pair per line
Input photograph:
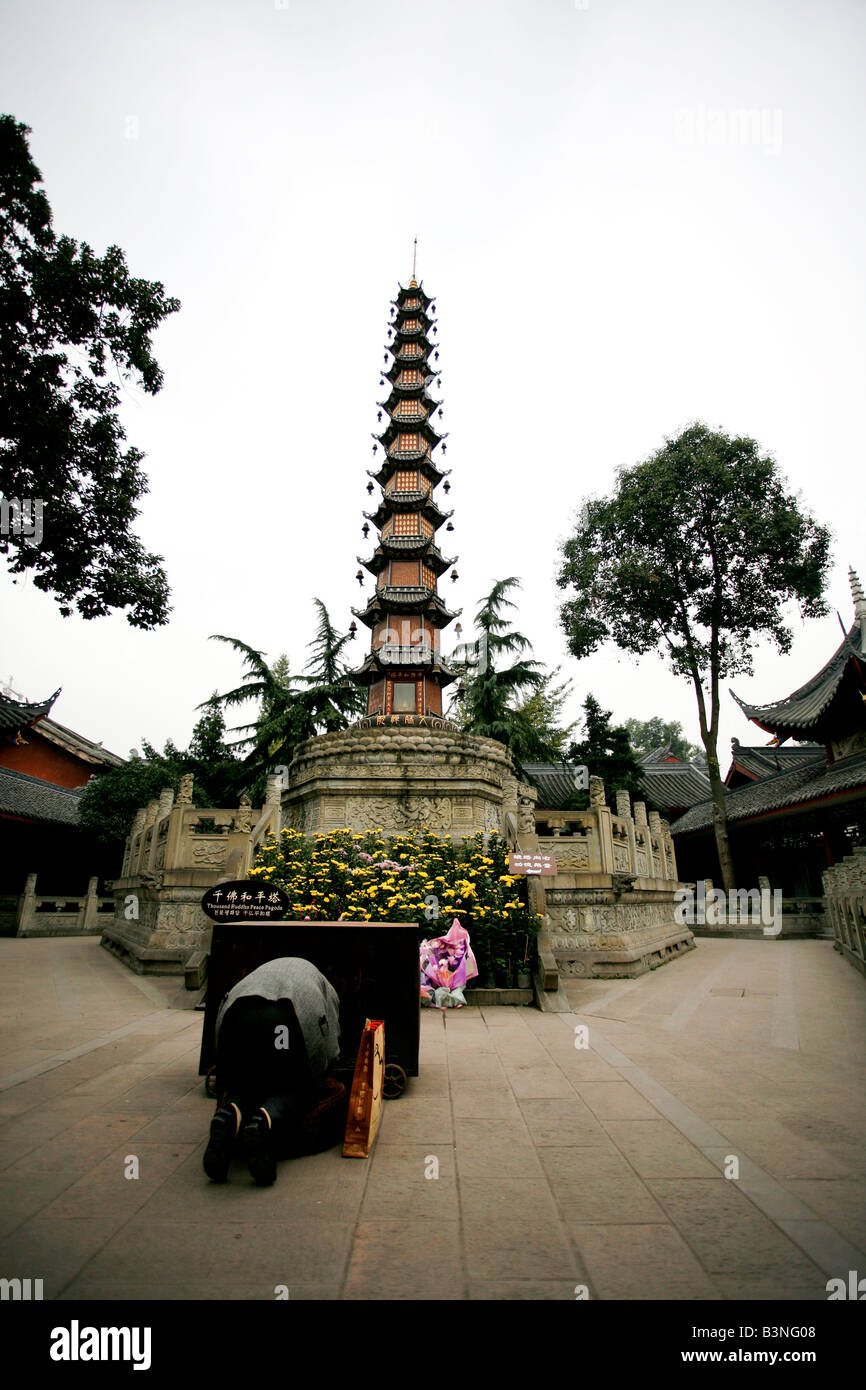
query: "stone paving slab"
516, 1167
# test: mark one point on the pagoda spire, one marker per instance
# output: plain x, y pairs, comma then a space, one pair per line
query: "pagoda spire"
404, 671
859, 606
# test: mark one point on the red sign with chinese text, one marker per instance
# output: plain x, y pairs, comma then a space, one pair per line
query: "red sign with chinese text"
525, 863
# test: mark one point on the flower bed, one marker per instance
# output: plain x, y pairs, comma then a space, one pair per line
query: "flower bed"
414, 877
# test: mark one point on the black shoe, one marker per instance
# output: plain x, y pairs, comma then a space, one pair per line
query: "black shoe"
217, 1155
259, 1151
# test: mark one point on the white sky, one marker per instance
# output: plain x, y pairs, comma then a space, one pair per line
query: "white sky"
613, 255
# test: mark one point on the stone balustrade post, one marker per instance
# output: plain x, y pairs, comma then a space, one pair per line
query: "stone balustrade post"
150, 824
90, 911
26, 906
601, 811
623, 811
656, 842
670, 851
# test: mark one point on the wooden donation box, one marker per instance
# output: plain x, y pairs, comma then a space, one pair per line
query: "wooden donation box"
373, 966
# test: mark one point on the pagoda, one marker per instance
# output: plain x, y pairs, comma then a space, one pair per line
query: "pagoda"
404, 763
404, 766
404, 672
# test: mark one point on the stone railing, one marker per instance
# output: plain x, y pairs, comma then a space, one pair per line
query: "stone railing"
609, 911
59, 914
174, 852
600, 841
845, 906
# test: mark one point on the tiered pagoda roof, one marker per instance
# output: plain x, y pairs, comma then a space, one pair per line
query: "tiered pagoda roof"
404, 670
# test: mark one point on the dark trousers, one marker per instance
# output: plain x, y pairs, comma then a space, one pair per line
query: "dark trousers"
262, 1063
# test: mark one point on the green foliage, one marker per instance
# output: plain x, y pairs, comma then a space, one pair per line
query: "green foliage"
293, 708
698, 550
605, 750
109, 803
487, 701
414, 877
74, 328
645, 735
544, 710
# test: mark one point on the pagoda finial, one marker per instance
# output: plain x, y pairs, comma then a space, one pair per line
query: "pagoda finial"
414, 283
859, 605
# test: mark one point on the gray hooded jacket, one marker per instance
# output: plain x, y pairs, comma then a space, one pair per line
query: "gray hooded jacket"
314, 999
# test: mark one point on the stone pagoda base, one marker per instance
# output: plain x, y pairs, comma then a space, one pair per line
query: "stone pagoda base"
396, 776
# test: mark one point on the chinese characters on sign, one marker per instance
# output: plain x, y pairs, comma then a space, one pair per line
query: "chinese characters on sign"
520, 863
245, 901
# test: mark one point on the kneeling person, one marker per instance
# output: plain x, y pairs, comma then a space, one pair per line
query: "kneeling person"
277, 1034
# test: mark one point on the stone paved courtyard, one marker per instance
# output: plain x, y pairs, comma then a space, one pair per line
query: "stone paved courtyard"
557, 1166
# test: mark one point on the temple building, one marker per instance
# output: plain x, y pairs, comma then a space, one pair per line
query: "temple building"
793, 813
44, 768
404, 672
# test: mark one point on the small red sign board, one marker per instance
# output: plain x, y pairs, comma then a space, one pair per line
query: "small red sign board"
521, 863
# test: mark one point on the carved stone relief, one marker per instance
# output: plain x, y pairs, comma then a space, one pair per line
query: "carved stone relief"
210, 855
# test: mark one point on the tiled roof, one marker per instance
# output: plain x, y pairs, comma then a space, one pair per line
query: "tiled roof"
555, 782
803, 709
21, 795
77, 744
798, 785
672, 785
668, 786
662, 754
17, 714
766, 762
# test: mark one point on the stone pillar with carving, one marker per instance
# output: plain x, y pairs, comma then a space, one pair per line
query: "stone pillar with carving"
148, 838
670, 851
656, 847
623, 811
527, 797
130, 856
238, 856
601, 811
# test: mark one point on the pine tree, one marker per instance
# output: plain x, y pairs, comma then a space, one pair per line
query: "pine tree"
606, 752
486, 702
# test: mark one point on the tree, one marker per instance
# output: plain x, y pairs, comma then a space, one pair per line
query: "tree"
645, 735
71, 322
109, 803
544, 710
293, 708
486, 700
331, 698
605, 751
697, 552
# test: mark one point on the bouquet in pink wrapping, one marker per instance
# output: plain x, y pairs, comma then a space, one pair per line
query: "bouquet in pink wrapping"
447, 964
